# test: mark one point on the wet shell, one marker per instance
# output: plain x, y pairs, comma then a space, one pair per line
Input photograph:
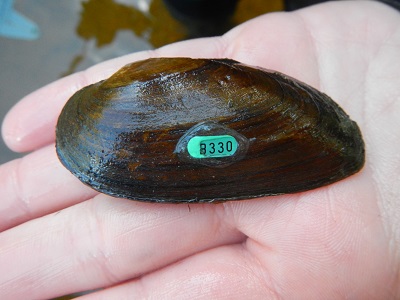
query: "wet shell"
141, 133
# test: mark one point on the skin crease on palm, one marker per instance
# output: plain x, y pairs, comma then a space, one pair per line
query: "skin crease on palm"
341, 241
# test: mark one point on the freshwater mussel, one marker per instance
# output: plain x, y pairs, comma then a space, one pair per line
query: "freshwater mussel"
204, 130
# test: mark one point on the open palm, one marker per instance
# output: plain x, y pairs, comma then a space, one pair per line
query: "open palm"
340, 241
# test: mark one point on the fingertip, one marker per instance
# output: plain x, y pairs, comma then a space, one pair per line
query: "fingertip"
10, 132
30, 124
19, 133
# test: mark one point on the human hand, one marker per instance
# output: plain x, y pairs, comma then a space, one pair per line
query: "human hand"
340, 241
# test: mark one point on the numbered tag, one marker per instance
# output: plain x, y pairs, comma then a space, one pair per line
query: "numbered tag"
212, 146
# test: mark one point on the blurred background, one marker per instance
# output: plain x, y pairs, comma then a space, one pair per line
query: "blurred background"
43, 40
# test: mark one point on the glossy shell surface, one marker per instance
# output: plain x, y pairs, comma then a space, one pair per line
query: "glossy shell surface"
127, 136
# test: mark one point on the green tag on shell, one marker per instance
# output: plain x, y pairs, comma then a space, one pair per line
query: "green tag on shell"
212, 146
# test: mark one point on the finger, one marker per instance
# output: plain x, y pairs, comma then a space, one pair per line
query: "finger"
228, 272
31, 123
102, 242
35, 185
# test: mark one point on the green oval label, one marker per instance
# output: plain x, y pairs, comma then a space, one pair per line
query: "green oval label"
212, 146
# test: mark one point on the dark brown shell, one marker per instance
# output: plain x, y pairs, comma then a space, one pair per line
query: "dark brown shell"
125, 136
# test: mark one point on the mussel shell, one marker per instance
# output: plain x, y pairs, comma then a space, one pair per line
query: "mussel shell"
120, 136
